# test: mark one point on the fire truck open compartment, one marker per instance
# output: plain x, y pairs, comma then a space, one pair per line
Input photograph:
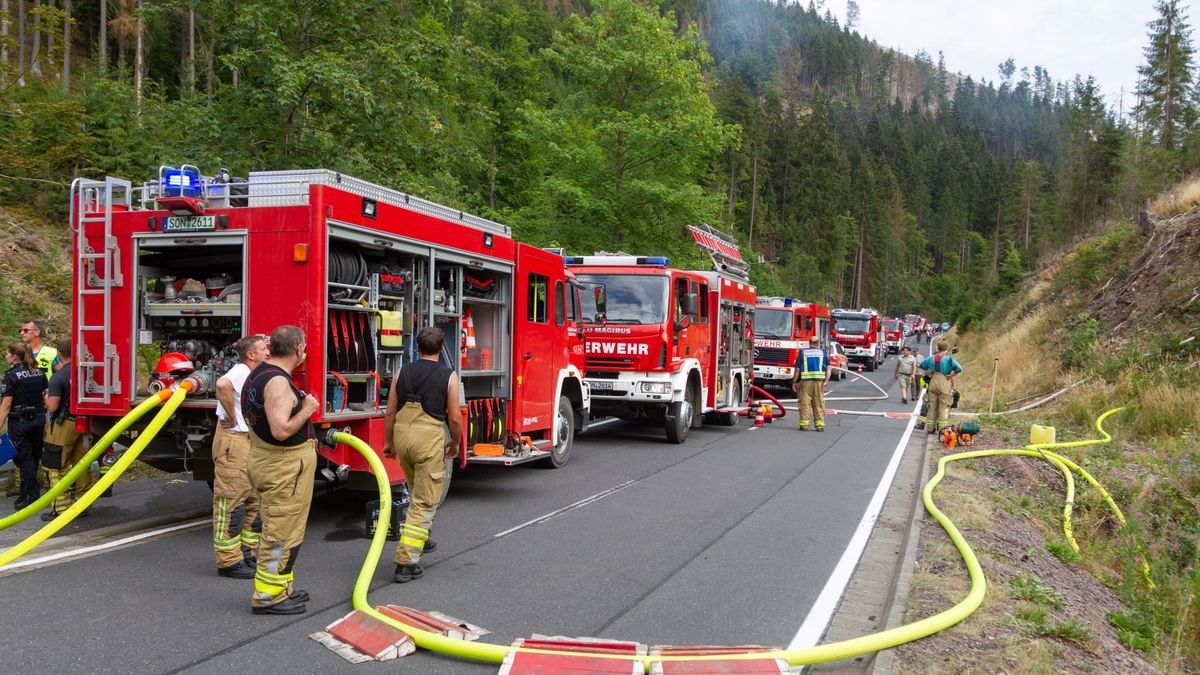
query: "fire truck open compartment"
190, 300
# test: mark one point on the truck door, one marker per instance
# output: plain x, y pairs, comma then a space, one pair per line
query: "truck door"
539, 337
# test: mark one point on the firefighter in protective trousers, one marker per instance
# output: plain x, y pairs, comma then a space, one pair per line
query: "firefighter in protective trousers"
236, 525
283, 460
63, 444
812, 374
943, 371
422, 398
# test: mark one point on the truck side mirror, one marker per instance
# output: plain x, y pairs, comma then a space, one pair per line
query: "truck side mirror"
683, 322
691, 304
601, 299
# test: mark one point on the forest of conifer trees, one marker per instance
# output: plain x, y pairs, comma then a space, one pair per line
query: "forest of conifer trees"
857, 175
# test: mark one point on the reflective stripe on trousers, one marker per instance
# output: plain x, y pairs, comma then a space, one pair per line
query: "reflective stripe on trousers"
812, 399
235, 504
283, 478
420, 442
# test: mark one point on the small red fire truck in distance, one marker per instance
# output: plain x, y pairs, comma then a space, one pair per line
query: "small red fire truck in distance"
168, 275
782, 327
915, 323
861, 335
893, 335
669, 344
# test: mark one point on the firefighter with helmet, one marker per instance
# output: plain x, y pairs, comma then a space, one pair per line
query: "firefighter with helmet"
812, 374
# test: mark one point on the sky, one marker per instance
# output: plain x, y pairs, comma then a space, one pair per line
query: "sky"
1104, 38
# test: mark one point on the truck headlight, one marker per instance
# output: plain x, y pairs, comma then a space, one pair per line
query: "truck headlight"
656, 387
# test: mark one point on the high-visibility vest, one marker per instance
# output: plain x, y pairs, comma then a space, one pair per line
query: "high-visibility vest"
45, 358
813, 364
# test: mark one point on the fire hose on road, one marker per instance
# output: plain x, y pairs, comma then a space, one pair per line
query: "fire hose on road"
173, 399
795, 657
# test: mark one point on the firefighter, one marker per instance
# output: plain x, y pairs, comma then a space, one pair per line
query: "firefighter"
236, 522
422, 398
812, 374
23, 413
283, 460
943, 372
63, 445
46, 356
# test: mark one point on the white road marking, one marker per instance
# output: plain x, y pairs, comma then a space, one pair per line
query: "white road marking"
582, 502
79, 552
814, 625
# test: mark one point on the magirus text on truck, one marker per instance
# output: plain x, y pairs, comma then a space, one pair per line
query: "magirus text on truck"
669, 344
170, 273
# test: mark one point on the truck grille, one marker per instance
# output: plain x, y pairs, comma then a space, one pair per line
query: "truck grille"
608, 363
773, 355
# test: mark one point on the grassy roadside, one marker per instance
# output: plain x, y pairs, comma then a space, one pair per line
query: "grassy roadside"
1115, 321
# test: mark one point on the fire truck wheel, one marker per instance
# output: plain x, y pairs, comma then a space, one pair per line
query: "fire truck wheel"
871, 365
679, 421
565, 429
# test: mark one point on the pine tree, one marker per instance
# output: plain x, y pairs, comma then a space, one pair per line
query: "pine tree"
1166, 107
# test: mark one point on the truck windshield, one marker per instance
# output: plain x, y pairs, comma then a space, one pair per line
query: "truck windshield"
773, 323
891, 326
852, 325
631, 298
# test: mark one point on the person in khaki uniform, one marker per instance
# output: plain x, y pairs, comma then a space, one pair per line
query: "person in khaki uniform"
62, 443
283, 460
423, 398
812, 374
943, 372
236, 525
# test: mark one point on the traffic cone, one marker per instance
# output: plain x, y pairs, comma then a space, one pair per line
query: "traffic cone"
758, 416
860, 367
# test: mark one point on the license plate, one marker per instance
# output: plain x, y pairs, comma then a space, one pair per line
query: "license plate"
601, 385
189, 223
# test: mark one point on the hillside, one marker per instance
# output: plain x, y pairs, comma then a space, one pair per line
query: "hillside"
36, 268
1117, 317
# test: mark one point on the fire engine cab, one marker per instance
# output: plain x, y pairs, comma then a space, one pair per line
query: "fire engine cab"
861, 335
669, 344
168, 275
893, 333
782, 327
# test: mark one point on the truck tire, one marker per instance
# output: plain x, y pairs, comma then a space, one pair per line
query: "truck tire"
678, 421
871, 365
564, 422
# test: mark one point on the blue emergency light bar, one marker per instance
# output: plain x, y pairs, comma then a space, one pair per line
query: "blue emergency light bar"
617, 260
180, 182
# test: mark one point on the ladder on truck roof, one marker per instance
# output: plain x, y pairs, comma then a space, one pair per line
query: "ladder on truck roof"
99, 271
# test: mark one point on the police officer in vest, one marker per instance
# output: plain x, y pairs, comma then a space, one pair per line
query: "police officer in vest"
23, 414
283, 460
422, 398
812, 374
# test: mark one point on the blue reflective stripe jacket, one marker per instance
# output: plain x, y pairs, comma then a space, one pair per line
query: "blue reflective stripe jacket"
812, 364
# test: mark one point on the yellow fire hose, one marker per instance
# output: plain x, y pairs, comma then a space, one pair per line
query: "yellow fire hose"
795, 657
85, 463
107, 480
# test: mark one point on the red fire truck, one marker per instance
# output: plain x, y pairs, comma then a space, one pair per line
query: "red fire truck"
782, 327
169, 274
669, 344
893, 335
861, 335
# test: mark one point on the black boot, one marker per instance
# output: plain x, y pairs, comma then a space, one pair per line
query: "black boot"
406, 573
288, 606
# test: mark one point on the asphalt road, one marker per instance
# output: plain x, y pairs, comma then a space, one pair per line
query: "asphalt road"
725, 539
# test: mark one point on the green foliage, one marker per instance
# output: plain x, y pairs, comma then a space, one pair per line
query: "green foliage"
1080, 348
1062, 551
1011, 269
1031, 589
1032, 620
1133, 631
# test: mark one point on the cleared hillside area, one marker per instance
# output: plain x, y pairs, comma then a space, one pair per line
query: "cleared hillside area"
1114, 322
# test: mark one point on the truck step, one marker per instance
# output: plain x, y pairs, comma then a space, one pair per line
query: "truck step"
517, 663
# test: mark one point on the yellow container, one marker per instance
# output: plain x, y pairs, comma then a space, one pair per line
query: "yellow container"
1040, 435
391, 333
